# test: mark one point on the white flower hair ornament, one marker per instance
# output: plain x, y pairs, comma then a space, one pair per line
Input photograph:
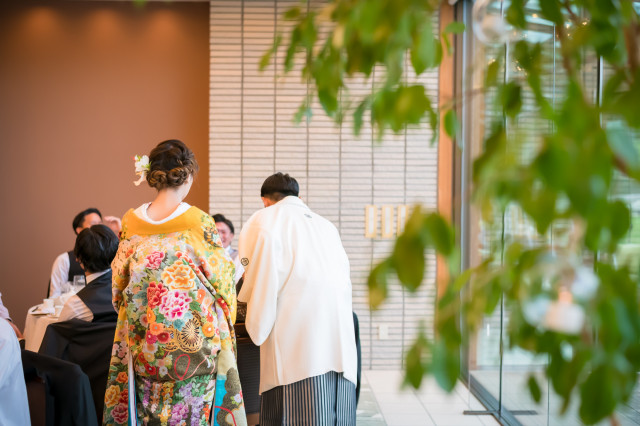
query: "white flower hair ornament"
142, 167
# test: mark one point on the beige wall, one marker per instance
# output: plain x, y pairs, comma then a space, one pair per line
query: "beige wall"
83, 87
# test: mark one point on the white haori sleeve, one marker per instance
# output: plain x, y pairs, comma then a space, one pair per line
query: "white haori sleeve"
260, 256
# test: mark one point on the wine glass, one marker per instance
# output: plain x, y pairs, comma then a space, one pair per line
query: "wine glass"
78, 283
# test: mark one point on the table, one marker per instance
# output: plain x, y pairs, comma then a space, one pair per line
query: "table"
34, 328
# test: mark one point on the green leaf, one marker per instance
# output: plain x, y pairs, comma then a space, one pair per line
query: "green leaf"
598, 395
398, 107
377, 283
562, 373
359, 113
494, 145
492, 72
620, 221
408, 252
408, 260
329, 101
534, 388
304, 111
446, 365
510, 98
540, 204
451, 124
624, 102
524, 56
416, 367
266, 57
440, 234
622, 144
462, 279
447, 43
604, 36
426, 51
494, 295
515, 14
265, 60
551, 11
292, 13
294, 42
432, 116
456, 27
553, 164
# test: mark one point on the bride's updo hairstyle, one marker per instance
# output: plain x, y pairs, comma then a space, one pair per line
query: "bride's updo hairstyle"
170, 164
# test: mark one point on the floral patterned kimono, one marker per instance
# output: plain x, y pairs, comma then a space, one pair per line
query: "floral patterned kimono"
174, 292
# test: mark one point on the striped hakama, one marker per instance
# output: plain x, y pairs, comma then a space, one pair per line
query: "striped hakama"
329, 399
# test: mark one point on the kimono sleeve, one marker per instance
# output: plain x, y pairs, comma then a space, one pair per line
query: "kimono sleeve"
260, 256
120, 274
219, 279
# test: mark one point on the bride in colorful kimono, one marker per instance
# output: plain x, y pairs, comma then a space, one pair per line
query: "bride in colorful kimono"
173, 359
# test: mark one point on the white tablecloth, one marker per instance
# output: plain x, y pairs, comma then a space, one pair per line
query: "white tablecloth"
34, 329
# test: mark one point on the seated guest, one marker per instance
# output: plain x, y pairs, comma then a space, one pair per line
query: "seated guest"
14, 405
4, 314
95, 249
65, 267
226, 232
114, 223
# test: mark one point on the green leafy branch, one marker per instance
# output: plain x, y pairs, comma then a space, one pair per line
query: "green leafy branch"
366, 37
566, 183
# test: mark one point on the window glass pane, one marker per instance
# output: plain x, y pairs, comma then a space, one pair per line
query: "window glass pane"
493, 367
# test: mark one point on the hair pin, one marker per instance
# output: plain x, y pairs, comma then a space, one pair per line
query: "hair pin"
142, 167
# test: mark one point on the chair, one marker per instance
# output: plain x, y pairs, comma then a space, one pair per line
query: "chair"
67, 393
87, 344
37, 396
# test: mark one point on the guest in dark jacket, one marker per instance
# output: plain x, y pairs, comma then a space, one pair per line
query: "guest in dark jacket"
95, 249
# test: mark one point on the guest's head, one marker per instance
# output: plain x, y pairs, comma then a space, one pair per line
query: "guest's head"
278, 186
86, 219
95, 248
172, 166
225, 229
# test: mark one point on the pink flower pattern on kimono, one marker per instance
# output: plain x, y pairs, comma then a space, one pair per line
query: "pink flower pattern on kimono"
120, 413
155, 291
151, 338
175, 304
179, 413
153, 260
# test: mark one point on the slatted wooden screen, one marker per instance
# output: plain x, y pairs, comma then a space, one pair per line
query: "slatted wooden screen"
252, 135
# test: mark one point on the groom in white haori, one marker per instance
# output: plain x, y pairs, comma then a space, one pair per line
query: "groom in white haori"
298, 293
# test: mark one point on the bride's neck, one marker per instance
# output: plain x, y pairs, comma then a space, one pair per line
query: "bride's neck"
166, 202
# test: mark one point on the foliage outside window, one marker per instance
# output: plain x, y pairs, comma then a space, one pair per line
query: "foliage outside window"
572, 298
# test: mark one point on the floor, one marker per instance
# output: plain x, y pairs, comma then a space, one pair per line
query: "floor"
515, 397
383, 403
